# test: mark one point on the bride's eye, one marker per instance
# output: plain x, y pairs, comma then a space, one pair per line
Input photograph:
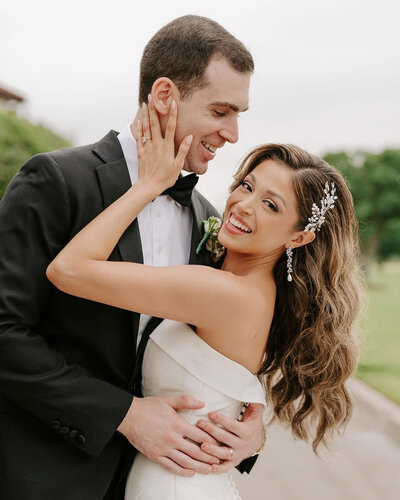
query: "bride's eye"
271, 205
246, 186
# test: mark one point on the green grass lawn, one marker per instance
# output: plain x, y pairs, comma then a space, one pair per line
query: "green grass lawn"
380, 358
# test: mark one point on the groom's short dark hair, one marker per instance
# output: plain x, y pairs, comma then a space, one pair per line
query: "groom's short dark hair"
182, 50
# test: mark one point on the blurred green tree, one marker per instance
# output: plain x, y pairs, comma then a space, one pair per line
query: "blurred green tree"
19, 140
374, 181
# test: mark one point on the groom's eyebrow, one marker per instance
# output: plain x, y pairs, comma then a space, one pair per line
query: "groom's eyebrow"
229, 105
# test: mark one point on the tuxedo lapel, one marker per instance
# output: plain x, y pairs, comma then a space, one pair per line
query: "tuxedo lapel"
199, 214
114, 181
151, 325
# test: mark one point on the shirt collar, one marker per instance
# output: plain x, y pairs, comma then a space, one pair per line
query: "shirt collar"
128, 145
129, 148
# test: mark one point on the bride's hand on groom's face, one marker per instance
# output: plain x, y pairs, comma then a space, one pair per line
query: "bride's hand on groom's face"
244, 438
159, 166
153, 426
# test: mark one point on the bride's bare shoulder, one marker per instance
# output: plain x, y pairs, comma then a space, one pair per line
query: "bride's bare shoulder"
255, 292
245, 314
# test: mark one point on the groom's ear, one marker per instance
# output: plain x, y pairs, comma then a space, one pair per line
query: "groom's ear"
162, 92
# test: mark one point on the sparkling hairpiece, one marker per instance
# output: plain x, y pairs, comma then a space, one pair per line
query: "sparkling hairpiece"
318, 214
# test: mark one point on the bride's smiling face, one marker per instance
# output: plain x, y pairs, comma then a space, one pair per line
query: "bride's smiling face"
261, 213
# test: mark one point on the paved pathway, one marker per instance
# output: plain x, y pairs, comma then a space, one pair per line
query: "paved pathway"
364, 466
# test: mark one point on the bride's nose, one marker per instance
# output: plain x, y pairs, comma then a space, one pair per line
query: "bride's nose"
245, 206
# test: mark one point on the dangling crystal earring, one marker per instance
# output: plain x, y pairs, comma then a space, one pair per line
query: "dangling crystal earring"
289, 253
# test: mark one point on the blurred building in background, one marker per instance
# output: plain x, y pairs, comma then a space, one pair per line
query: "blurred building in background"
9, 100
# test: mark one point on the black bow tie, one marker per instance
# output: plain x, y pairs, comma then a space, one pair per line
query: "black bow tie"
181, 191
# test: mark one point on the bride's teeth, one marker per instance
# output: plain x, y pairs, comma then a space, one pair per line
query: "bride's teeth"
237, 224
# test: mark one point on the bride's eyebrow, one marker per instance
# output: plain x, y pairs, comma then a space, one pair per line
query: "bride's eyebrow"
268, 191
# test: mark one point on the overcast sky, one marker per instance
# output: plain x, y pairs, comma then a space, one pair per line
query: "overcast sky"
327, 72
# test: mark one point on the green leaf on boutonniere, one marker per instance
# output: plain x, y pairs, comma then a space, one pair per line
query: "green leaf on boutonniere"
211, 228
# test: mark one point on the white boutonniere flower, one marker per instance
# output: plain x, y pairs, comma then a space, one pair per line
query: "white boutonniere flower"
210, 239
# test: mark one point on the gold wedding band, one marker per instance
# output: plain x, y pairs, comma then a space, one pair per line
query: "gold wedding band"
230, 454
145, 139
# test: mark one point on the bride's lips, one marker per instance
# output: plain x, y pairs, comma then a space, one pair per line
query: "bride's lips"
235, 219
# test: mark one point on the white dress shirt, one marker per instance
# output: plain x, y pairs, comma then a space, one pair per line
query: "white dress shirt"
165, 226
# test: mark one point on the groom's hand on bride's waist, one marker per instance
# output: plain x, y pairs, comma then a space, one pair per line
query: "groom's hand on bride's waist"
153, 426
237, 440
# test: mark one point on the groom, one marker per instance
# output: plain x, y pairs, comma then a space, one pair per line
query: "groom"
70, 368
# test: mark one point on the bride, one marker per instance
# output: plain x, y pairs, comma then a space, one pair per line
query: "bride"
277, 320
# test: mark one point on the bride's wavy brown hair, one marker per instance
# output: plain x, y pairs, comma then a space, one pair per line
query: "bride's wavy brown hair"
312, 346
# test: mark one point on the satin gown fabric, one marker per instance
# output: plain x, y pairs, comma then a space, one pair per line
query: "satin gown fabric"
177, 361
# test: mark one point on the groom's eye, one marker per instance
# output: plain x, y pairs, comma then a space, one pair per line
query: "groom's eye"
218, 113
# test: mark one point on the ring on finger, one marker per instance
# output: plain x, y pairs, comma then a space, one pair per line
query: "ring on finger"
230, 454
145, 139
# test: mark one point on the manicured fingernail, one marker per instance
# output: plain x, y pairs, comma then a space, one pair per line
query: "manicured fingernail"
189, 139
149, 98
201, 423
212, 415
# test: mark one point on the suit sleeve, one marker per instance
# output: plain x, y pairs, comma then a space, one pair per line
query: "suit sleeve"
34, 226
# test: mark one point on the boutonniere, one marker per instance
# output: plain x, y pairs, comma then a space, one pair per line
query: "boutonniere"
211, 228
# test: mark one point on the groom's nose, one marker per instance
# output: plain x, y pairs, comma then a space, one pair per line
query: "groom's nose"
230, 129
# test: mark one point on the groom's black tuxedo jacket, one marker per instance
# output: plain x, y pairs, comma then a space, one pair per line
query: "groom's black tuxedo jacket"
68, 366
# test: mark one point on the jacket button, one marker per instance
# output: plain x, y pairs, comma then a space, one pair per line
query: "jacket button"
81, 439
55, 424
73, 433
64, 430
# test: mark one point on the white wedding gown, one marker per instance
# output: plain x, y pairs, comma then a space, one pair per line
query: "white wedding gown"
177, 361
